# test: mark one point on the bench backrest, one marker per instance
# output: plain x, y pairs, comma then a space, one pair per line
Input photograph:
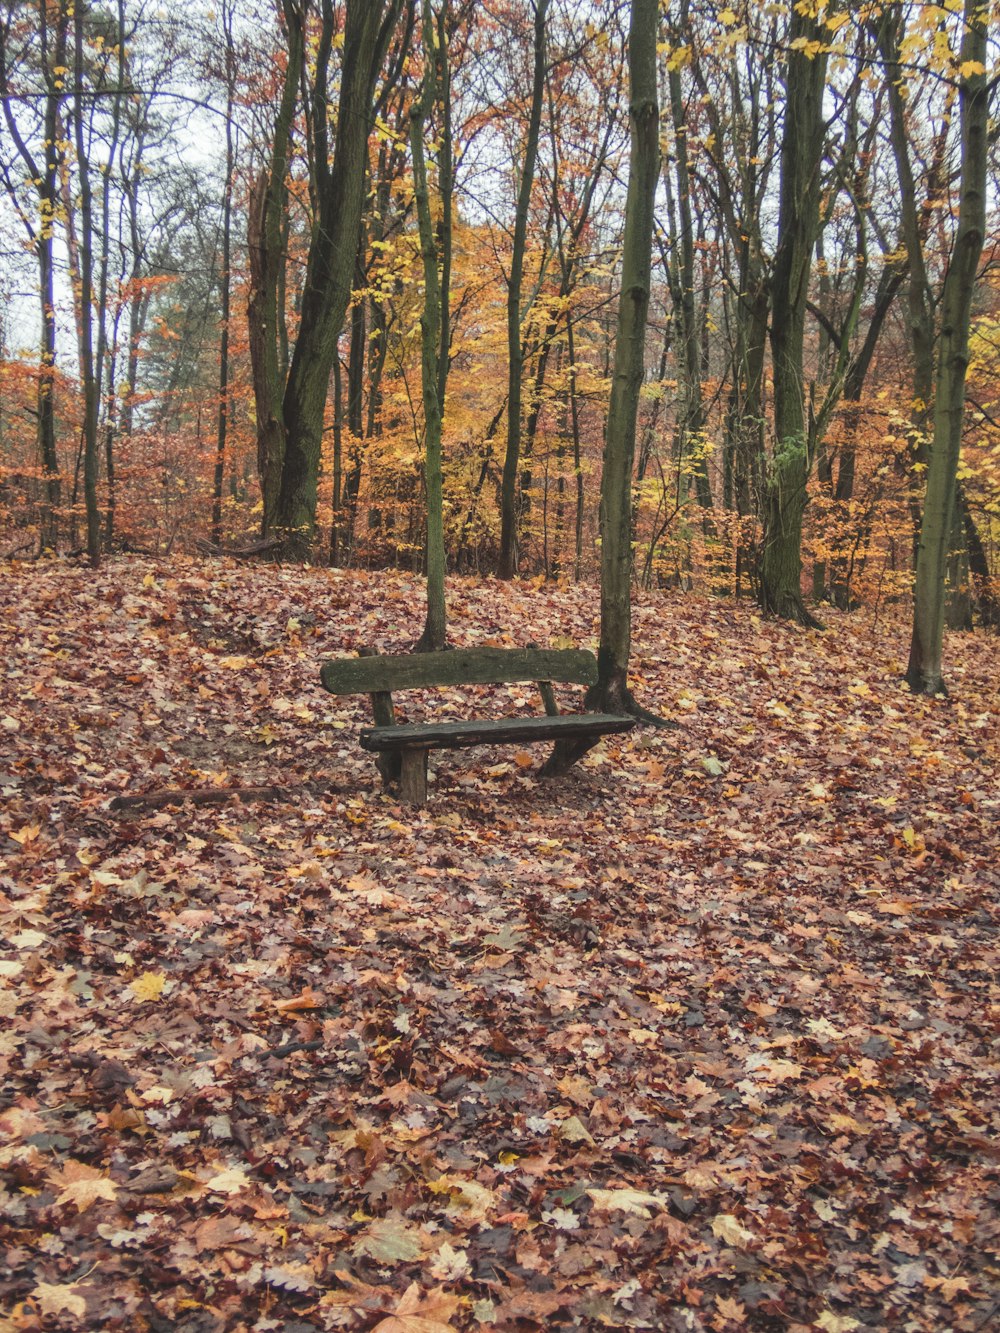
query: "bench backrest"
462, 666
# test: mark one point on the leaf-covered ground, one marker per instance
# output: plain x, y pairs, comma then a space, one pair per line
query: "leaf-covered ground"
702, 1036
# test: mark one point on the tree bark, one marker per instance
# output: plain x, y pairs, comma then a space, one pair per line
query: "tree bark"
264, 242
434, 633
612, 692
222, 421
515, 358
924, 672
784, 499
340, 195
41, 234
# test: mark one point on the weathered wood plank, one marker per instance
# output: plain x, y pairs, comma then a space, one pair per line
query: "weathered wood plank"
457, 735
463, 666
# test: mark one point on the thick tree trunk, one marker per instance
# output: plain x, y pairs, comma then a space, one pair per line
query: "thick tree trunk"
330, 265
924, 671
264, 243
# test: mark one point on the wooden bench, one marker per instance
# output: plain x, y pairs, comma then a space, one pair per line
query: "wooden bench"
403, 749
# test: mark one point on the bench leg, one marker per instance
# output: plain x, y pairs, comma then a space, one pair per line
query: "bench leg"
389, 765
413, 777
565, 754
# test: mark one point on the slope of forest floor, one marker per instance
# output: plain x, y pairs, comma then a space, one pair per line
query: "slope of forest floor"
702, 1036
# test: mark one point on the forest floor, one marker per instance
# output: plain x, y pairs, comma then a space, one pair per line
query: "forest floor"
701, 1036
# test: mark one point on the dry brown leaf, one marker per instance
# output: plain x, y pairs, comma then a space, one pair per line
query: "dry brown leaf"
82, 1185
420, 1312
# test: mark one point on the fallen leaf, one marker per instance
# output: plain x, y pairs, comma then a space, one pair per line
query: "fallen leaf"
306, 999
60, 1298
390, 1240
82, 1185
833, 1323
418, 1312
148, 987
637, 1202
731, 1231
574, 1130
231, 1181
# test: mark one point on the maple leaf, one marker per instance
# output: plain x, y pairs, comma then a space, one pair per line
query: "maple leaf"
449, 1265
25, 835
82, 1185
230, 1181
418, 1312
148, 987
390, 1240
467, 1195
55, 1298
731, 1310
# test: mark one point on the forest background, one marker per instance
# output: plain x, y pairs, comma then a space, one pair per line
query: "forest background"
698, 1037
171, 180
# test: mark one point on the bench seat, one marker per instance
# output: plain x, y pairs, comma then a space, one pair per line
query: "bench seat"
456, 735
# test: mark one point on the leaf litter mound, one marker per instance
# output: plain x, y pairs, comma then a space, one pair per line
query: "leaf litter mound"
702, 1036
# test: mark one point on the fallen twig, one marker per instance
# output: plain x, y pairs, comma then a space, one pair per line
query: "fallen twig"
153, 800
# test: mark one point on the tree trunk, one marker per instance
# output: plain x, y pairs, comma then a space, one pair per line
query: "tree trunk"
88, 367
434, 634
515, 359
333, 246
924, 672
784, 499
612, 691
41, 235
268, 196
222, 423
693, 419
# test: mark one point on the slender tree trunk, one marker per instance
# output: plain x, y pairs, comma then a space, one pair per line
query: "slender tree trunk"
508, 492
693, 424
222, 421
434, 634
53, 24
88, 367
798, 224
924, 672
979, 567
612, 690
